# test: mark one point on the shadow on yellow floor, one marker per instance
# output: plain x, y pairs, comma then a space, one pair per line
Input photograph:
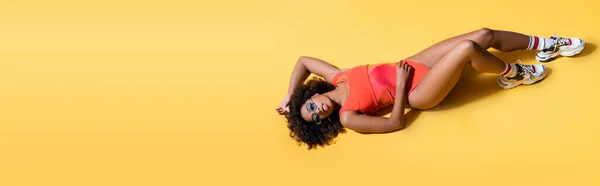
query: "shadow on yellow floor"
589, 49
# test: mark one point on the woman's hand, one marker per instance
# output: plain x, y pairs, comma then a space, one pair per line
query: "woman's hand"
403, 71
283, 106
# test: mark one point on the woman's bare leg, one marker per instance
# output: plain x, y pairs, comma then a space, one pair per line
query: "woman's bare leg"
440, 80
500, 40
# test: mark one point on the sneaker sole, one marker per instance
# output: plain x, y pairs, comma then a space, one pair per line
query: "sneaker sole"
513, 85
565, 53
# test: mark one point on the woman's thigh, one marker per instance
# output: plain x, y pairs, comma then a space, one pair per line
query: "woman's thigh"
433, 54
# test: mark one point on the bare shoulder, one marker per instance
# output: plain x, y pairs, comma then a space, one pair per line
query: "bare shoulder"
346, 117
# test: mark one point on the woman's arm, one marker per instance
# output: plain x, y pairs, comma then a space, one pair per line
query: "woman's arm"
375, 124
305, 66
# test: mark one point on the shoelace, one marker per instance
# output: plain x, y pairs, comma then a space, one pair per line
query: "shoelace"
560, 41
563, 41
526, 68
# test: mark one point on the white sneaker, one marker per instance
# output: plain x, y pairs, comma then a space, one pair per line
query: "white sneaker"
562, 46
526, 75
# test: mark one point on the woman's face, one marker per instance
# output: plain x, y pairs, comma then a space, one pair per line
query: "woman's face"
317, 108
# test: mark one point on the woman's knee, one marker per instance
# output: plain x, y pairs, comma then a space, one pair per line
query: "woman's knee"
485, 32
485, 37
466, 45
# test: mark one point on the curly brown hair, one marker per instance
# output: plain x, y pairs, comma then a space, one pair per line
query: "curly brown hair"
308, 132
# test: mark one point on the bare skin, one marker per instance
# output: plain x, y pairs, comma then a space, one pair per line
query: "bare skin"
446, 59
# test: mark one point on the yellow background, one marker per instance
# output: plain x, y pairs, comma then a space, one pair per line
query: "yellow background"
183, 93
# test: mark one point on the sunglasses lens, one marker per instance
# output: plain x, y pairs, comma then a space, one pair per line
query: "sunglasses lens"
316, 118
312, 107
